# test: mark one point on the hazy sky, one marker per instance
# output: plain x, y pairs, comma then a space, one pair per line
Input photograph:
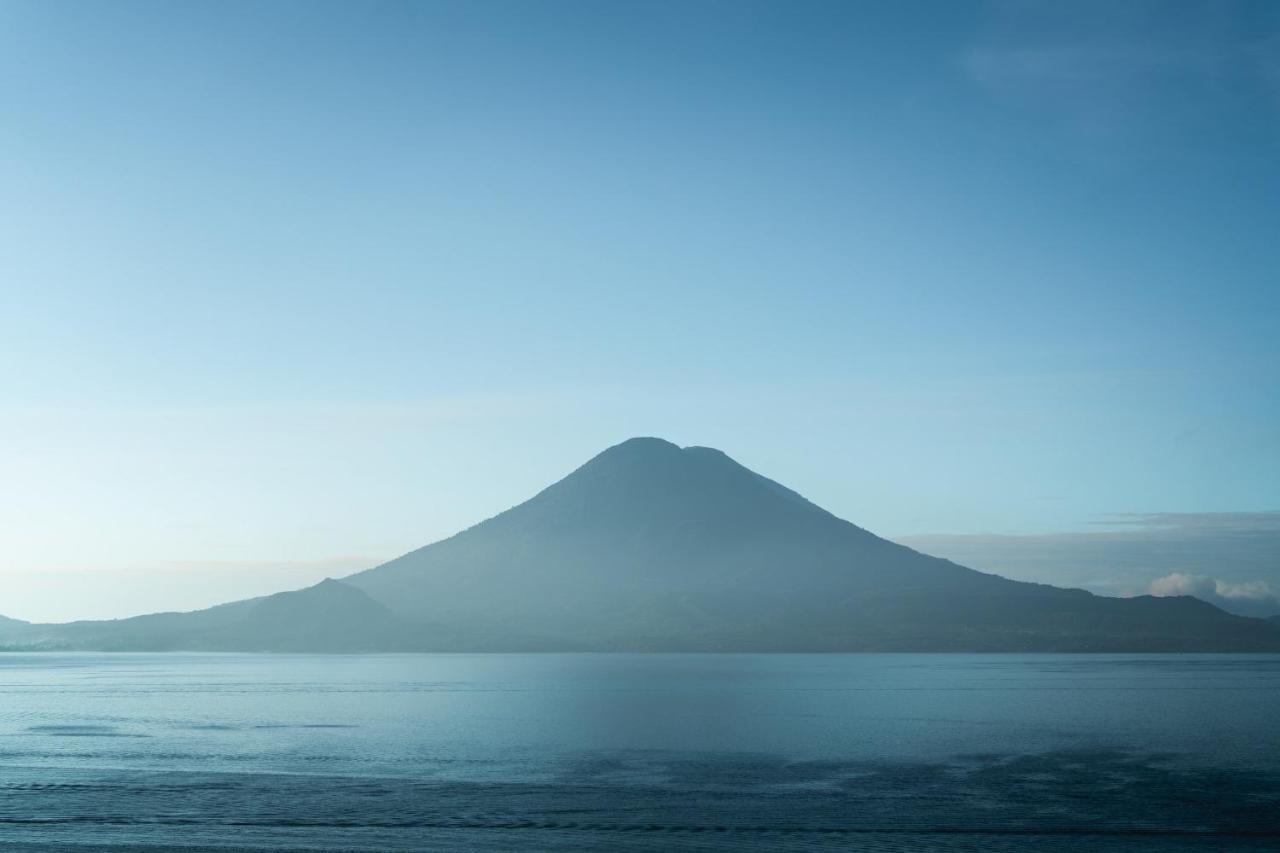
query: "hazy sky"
289, 288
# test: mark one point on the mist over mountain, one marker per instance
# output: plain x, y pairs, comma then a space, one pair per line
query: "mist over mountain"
653, 547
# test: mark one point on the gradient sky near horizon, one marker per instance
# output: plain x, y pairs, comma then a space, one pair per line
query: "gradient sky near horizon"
290, 288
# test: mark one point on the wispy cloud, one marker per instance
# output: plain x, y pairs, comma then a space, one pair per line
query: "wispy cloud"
1196, 522
1108, 68
1082, 66
336, 566
1231, 559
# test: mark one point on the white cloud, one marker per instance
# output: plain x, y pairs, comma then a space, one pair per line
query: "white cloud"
1253, 590
1181, 583
1248, 598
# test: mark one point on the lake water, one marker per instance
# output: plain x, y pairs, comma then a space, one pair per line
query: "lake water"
640, 752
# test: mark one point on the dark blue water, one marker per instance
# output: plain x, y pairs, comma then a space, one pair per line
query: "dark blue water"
640, 752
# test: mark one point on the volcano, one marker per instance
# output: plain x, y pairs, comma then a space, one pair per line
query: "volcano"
653, 547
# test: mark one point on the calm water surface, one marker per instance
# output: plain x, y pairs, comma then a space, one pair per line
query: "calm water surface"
640, 752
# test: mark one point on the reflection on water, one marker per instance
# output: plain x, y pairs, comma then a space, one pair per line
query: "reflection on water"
696, 752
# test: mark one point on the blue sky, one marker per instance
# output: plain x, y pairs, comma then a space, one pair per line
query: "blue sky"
289, 288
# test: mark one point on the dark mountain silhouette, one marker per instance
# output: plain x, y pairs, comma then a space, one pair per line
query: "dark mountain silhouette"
9, 626
651, 547
328, 617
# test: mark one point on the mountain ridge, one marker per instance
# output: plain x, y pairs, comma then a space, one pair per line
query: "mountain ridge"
648, 546
330, 616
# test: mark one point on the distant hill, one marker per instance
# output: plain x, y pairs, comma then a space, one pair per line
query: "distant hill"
651, 547
8, 626
328, 617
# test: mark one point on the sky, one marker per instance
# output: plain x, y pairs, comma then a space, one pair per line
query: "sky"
287, 289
